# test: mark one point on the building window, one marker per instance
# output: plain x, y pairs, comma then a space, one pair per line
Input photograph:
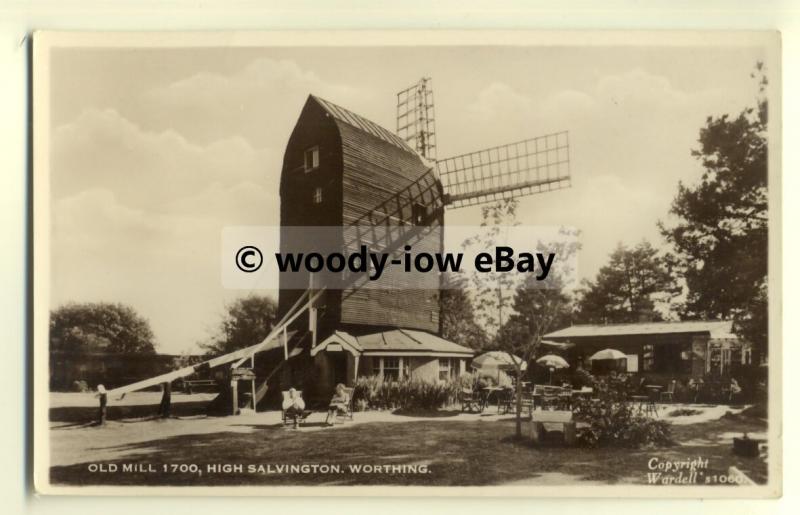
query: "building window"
648, 357
311, 161
419, 214
391, 369
448, 369
747, 357
317, 198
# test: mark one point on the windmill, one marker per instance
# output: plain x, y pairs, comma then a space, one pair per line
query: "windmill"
344, 171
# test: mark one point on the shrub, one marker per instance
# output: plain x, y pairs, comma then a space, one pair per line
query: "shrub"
614, 422
582, 377
684, 412
80, 386
407, 394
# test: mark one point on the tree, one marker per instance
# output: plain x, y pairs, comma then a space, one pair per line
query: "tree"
720, 238
100, 327
246, 321
539, 307
629, 287
458, 318
493, 289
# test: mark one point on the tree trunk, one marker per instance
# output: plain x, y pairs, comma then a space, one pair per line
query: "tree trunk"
519, 401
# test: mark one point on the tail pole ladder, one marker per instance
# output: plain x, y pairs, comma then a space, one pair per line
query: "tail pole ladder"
241, 355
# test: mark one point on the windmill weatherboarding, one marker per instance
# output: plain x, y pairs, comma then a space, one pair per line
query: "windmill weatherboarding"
347, 173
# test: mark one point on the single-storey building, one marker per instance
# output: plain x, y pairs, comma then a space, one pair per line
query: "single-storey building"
690, 348
391, 355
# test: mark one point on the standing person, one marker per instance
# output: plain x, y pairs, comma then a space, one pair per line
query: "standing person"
103, 396
165, 407
338, 403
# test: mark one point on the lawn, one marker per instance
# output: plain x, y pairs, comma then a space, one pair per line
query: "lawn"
454, 451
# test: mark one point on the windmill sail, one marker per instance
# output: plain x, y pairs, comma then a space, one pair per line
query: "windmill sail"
416, 120
518, 169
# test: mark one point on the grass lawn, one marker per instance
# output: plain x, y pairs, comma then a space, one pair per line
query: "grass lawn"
456, 452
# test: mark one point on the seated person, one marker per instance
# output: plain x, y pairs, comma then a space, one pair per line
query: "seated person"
695, 387
294, 406
338, 403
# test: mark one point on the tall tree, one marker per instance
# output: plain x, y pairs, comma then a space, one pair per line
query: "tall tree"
720, 238
629, 288
458, 318
247, 321
100, 327
539, 307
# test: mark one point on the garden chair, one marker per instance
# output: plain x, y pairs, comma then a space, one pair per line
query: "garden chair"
551, 397
347, 412
537, 396
506, 400
510, 402
652, 397
293, 416
471, 401
669, 394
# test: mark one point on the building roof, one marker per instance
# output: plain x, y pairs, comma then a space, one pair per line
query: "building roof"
396, 341
715, 329
346, 116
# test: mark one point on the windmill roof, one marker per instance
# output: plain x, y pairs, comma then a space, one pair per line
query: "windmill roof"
349, 117
715, 328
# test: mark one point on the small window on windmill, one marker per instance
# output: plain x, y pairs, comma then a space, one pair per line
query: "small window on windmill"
317, 198
311, 159
419, 214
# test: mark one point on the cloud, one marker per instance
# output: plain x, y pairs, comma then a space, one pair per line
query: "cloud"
260, 102
101, 149
135, 210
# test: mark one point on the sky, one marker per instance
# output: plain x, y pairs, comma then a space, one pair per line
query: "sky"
155, 151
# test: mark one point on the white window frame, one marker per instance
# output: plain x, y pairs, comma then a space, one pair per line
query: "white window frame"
747, 356
316, 198
314, 152
402, 363
453, 366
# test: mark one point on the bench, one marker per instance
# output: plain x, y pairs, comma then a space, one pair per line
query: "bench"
190, 385
539, 418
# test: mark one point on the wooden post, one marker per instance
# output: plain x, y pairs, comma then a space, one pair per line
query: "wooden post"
235, 395
570, 436
285, 344
355, 369
537, 431
312, 311
253, 381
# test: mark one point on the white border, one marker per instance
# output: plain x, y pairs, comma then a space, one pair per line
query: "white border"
45, 41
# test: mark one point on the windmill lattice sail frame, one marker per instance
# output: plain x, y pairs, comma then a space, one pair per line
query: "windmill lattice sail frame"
416, 118
517, 169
